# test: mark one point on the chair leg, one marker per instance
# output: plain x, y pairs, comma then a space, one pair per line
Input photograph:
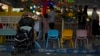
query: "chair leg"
43, 36
72, 44
75, 43
87, 42
61, 43
37, 44
47, 43
58, 43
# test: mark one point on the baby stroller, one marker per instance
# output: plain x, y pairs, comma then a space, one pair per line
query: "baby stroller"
23, 41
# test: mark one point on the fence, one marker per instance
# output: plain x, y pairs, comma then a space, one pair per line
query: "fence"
9, 21
8, 27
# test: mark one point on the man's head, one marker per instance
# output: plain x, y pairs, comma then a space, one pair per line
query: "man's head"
28, 14
95, 8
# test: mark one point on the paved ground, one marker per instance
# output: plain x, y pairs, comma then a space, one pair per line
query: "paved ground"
46, 54
90, 46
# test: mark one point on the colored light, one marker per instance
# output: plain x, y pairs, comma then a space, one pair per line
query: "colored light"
70, 1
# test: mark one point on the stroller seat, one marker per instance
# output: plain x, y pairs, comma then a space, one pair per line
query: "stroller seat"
28, 28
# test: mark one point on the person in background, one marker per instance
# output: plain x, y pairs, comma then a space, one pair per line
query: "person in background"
95, 22
80, 18
45, 26
51, 17
36, 25
85, 16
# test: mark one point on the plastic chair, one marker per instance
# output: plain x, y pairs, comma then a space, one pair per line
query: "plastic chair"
81, 34
67, 34
52, 34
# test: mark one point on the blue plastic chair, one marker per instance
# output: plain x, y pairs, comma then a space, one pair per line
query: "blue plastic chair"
52, 34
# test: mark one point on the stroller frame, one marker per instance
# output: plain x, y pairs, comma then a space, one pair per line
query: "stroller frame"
24, 46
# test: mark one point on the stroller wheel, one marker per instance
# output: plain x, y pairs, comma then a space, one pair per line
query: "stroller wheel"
28, 53
14, 53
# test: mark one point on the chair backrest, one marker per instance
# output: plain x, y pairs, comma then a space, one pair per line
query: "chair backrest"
81, 33
67, 32
52, 33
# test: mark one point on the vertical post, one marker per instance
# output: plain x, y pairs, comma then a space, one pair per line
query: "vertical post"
44, 6
9, 10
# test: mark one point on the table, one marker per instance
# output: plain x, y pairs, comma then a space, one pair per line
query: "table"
6, 32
